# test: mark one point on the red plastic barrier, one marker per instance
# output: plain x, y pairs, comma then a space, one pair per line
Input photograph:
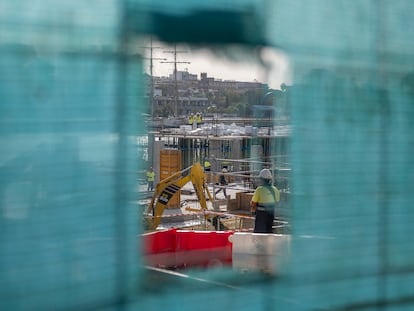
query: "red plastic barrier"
203, 248
159, 241
186, 248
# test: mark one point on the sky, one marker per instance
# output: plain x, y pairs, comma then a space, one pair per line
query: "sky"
265, 65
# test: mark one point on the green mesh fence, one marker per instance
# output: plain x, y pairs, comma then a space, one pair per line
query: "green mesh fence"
68, 119
70, 113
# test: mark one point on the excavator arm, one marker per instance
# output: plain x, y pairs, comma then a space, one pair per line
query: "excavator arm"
166, 188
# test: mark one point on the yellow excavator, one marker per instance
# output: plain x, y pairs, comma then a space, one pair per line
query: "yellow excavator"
167, 187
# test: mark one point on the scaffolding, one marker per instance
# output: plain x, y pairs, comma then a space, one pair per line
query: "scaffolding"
241, 153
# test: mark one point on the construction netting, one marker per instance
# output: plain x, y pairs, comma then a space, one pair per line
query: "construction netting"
72, 106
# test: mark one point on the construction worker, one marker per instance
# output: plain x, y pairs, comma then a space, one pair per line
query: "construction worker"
199, 119
222, 182
263, 203
191, 119
207, 165
150, 179
207, 169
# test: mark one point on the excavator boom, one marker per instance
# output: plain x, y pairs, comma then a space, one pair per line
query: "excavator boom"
169, 186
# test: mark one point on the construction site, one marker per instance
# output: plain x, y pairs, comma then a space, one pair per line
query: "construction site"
191, 218
235, 145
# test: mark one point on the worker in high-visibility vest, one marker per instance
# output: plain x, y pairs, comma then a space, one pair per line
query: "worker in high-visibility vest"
199, 119
207, 165
191, 119
264, 203
150, 179
207, 170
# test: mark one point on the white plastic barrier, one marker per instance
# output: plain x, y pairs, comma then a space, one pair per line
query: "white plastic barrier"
260, 252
